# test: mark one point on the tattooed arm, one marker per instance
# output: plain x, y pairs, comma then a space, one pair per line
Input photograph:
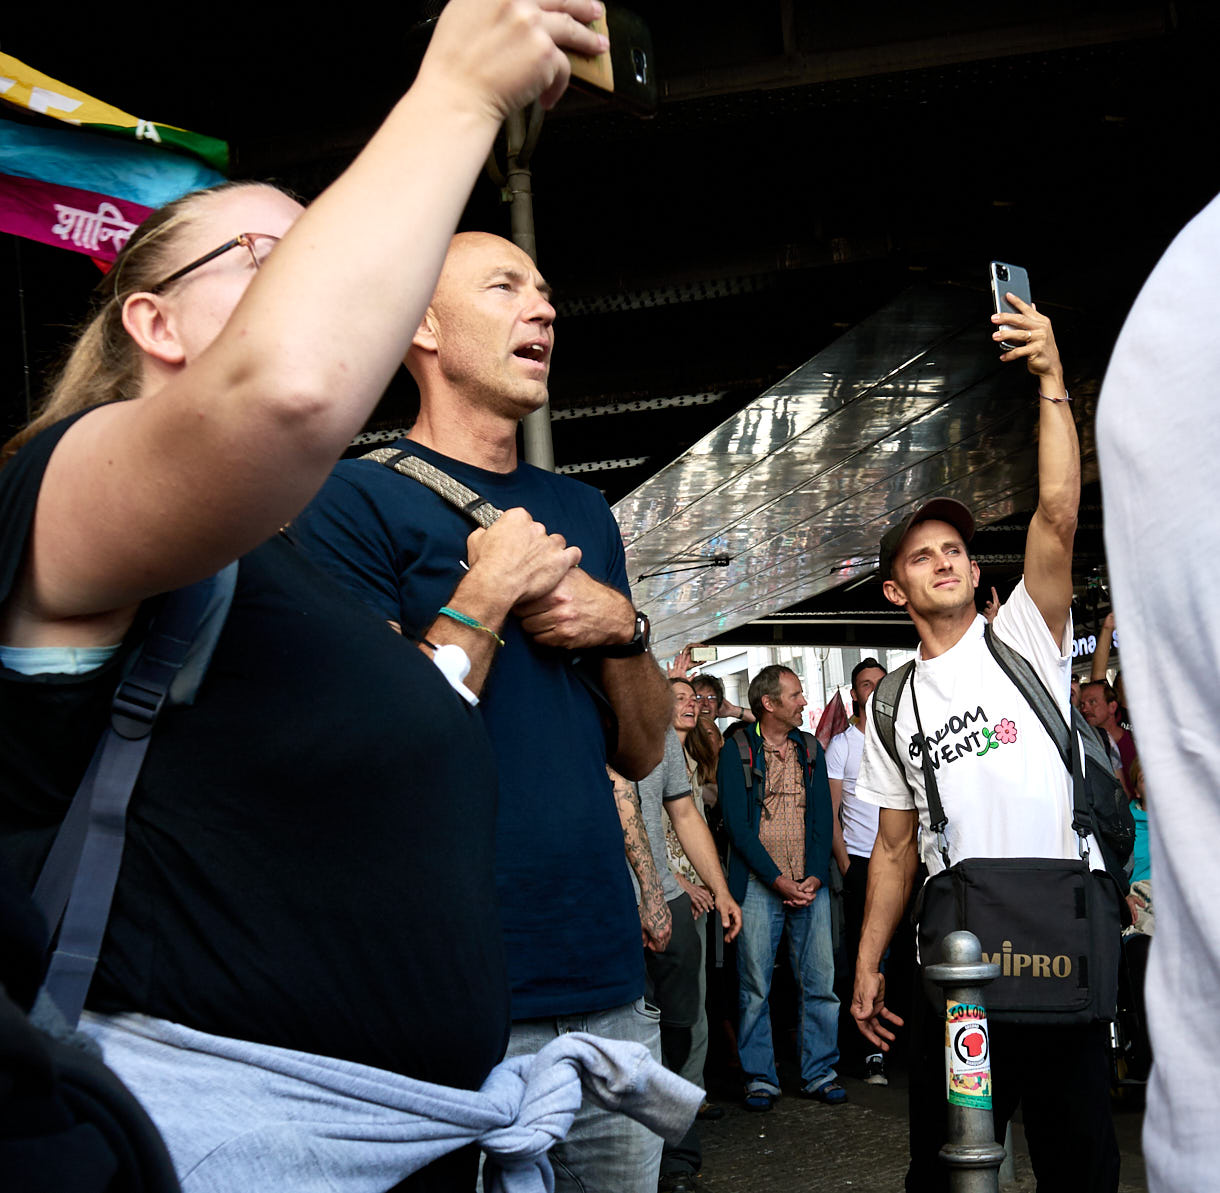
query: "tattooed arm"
655, 921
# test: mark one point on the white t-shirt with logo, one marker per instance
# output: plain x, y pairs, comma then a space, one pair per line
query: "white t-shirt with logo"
1002, 781
859, 818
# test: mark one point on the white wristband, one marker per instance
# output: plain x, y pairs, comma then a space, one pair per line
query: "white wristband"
454, 664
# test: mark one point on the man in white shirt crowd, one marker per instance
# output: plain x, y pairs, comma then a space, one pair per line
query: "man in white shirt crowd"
855, 829
1003, 785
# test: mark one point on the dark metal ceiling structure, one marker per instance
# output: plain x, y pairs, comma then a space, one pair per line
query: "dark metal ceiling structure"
820, 193
794, 491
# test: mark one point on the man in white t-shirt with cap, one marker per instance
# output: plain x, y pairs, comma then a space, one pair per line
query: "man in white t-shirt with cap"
1005, 790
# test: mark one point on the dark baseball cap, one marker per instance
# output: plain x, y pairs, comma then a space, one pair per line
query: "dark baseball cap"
939, 509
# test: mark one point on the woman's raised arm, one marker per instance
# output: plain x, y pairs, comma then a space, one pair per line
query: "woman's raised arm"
254, 380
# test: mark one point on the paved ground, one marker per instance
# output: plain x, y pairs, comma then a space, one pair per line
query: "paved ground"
803, 1147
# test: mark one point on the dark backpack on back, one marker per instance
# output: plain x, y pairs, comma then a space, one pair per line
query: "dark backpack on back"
741, 738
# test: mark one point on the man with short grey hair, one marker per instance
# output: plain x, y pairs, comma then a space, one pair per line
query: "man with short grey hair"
776, 802
481, 357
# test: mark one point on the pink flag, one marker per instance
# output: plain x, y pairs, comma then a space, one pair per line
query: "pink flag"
67, 217
833, 720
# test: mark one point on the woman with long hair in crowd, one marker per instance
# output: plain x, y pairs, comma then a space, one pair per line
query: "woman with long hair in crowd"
300, 872
700, 751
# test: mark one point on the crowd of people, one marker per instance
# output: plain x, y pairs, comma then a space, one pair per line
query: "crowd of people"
360, 894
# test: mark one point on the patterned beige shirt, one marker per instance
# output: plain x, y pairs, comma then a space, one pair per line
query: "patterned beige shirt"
781, 830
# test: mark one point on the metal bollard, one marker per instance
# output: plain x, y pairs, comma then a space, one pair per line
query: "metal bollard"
972, 1154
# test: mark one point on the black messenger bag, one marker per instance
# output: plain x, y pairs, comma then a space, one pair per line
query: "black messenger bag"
1052, 925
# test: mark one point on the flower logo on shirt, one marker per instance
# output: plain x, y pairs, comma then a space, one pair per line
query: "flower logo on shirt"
1005, 733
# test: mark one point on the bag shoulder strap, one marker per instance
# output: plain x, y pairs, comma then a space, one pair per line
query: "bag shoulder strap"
461, 497
481, 511
937, 820
77, 881
886, 695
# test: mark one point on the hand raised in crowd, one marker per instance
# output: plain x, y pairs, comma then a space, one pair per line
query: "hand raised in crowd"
992, 607
680, 668
1108, 626
869, 1011
1034, 337
577, 613
494, 58
519, 557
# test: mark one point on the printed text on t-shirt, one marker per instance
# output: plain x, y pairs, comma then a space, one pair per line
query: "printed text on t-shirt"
964, 735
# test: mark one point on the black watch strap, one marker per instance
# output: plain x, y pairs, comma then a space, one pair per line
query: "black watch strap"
640, 641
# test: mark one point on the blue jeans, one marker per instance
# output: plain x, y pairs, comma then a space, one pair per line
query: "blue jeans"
604, 1152
811, 953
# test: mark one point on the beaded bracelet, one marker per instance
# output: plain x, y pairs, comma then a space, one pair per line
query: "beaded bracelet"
1067, 397
470, 621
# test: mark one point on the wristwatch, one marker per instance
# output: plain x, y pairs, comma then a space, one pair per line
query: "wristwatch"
639, 641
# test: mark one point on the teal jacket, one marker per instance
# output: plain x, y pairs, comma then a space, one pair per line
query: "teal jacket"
742, 808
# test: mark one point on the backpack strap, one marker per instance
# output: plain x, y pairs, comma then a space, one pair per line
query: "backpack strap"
886, 695
77, 881
1030, 685
1059, 728
1096, 742
747, 756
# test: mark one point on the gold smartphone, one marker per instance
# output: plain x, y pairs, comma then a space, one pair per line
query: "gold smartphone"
626, 72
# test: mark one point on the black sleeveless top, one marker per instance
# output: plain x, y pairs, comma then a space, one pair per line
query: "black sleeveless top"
310, 845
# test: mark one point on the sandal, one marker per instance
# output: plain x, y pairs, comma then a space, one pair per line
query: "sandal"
759, 1100
830, 1094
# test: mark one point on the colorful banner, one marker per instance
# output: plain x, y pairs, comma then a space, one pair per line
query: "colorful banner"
27, 88
91, 163
83, 192
68, 218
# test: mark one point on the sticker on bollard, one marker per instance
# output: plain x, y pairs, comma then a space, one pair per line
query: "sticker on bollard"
967, 1055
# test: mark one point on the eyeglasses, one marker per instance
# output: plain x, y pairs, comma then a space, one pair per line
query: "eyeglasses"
257, 244
709, 699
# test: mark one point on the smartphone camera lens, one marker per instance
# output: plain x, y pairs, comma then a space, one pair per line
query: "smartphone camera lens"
639, 63
1001, 271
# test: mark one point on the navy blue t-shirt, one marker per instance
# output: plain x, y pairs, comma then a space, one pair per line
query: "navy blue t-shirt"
572, 933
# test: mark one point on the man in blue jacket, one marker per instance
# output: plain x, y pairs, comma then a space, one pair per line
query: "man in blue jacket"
777, 811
